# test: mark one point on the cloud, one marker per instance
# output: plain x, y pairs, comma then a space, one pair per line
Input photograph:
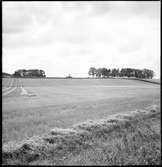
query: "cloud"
15, 19
81, 34
75, 22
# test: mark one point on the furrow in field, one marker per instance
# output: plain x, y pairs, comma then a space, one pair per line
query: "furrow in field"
20, 82
10, 85
11, 89
5, 89
23, 91
5, 82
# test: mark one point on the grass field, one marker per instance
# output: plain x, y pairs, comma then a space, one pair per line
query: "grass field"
154, 80
33, 106
132, 138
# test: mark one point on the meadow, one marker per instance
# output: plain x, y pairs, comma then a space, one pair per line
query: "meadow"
33, 106
131, 138
80, 122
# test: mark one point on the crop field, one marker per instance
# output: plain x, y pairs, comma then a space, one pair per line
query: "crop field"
32, 107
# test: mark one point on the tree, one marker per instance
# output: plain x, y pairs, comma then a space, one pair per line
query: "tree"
124, 72
152, 74
117, 72
104, 72
114, 72
99, 72
148, 73
108, 72
137, 73
42, 73
92, 71
128, 72
29, 73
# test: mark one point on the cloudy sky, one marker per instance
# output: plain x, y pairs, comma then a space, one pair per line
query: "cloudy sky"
69, 37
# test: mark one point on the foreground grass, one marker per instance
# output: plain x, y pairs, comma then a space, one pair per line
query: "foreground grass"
126, 139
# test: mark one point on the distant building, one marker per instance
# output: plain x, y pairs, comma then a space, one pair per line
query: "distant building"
29, 73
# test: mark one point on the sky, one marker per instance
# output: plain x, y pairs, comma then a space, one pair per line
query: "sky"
69, 37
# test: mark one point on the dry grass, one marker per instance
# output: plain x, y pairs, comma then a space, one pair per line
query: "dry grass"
126, 139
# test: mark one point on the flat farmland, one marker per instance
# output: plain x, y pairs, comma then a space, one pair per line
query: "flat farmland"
34, 106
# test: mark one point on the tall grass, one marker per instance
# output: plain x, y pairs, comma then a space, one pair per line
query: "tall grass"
127, 139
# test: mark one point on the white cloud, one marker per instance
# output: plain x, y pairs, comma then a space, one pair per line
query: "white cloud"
69, 37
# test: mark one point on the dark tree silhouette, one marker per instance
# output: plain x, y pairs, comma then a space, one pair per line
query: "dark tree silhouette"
92, 71
124, 72
29, 73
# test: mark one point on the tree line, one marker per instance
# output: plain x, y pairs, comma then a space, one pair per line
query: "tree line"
124, 72
29, 73
6, 75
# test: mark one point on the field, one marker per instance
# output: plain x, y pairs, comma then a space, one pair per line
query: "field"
131, 138
77, 121
33, 106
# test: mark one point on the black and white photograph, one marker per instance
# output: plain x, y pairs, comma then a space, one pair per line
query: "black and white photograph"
81, 83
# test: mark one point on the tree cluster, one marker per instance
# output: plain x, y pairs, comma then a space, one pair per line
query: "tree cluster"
5, 75
124, 72
29, 73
